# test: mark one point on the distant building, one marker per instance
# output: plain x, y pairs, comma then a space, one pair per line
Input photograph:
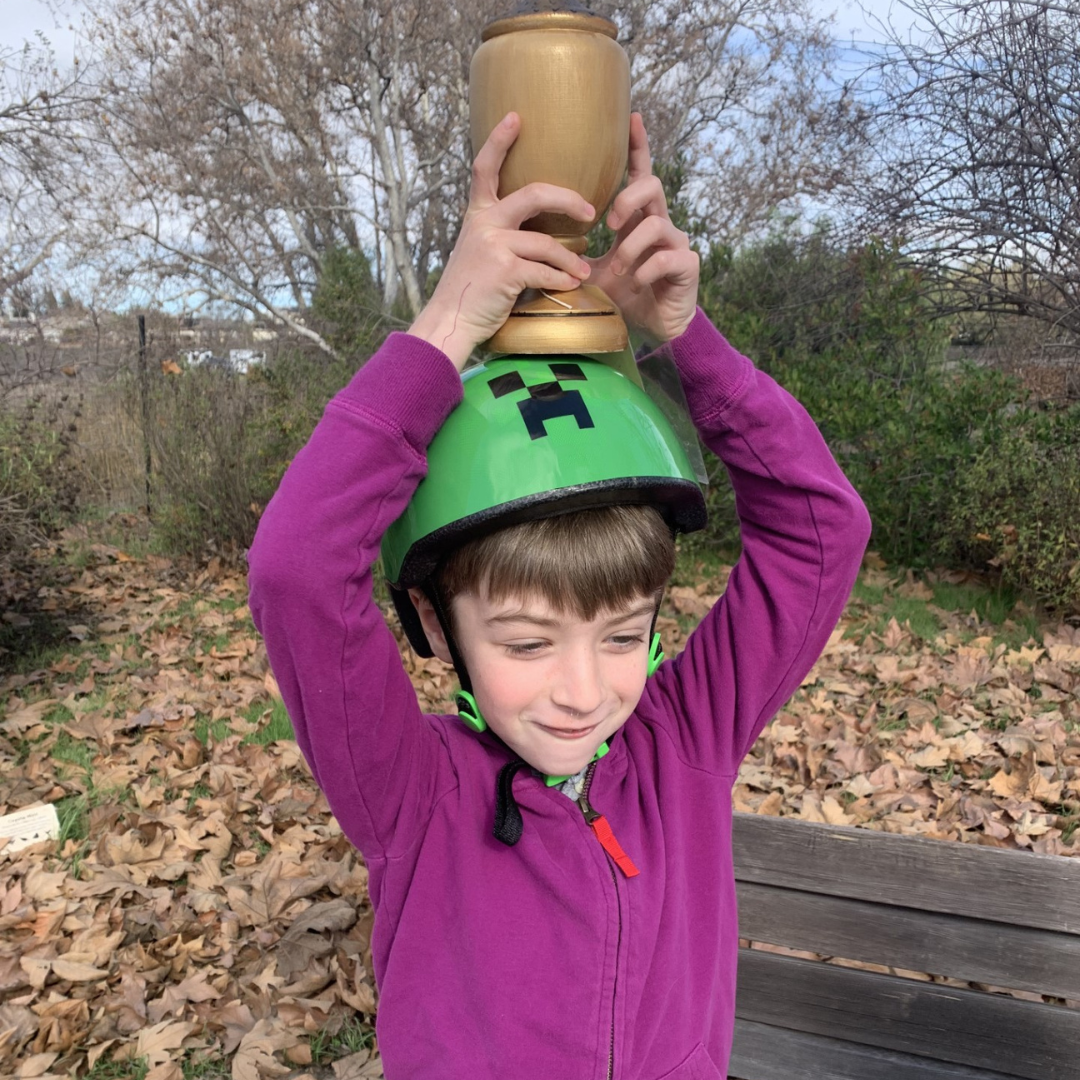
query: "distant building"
238, 361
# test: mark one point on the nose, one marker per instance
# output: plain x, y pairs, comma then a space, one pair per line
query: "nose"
579, 686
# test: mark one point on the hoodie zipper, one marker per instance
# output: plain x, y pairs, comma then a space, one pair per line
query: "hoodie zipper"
602, 830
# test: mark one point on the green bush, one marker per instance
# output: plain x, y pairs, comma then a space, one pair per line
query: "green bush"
346, 303
39, 477
849, 334
1017, 507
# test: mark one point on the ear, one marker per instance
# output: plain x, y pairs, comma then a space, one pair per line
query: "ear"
430, 622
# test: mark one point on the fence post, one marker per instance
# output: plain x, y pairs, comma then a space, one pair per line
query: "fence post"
144, 391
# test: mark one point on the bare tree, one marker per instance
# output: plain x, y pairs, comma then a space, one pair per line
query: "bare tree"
976, 140
246, 138
252, 136
39, 151
740, 92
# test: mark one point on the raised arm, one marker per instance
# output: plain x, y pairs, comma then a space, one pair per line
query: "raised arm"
351, 703
381, 764
804, 530
803, 526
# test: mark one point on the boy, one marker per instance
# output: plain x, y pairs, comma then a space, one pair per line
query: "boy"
535, 950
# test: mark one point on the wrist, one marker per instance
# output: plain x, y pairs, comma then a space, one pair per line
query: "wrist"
683, 324
441, 328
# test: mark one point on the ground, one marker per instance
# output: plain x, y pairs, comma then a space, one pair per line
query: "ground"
201, 915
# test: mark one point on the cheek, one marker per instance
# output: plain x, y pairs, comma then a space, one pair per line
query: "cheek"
506, 682
627, 678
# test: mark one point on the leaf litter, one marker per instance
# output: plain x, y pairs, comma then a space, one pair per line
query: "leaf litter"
203, 905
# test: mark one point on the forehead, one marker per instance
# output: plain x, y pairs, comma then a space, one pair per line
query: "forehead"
534, 608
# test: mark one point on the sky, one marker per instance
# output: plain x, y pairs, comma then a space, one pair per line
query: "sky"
19, 19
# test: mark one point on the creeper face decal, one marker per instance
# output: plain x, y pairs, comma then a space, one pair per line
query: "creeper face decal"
546, 401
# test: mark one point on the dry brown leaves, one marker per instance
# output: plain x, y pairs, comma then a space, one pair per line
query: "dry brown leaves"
215, 908
954, 740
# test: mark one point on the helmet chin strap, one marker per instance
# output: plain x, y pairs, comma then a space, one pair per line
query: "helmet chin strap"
467, 708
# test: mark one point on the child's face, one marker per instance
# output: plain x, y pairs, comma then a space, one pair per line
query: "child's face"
553, 686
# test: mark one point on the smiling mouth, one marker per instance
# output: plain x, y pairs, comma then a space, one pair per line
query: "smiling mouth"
569, 733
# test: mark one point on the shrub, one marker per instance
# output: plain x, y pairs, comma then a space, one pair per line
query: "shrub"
347, 305
222, 441
848, 333
39, 476
1016, 506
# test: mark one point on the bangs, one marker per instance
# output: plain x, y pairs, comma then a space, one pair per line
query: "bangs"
581, 563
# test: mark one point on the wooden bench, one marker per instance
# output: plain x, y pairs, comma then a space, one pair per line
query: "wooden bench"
1003, 919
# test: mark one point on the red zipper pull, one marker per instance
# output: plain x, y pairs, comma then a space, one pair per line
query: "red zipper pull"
599, 825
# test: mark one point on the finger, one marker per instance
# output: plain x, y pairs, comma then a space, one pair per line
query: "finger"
677, 267
640, 157
653, 233
645, 196
540, 248
489, 161
538, 198
538, 275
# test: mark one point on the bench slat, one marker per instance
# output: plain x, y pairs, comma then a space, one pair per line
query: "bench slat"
1016, 957
764, 1052
988, 883
987, 1031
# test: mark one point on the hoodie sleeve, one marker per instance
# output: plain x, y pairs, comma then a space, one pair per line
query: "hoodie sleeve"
804, 530
379, 760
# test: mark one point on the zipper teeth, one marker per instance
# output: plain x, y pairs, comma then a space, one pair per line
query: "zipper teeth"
588, 781
615, 983
618, 941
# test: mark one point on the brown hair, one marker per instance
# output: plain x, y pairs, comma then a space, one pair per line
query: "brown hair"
581, 563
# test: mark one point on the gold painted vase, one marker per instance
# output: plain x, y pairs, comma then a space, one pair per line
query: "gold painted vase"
559, 67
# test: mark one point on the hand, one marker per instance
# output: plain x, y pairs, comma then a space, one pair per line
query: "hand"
650, 271
494, 259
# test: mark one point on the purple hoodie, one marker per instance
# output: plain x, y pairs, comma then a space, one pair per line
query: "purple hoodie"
544, 960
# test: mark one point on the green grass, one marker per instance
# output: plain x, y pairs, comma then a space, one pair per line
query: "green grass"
1069, 827
119, 1070
35, 647
993, 605
104, 526
73, 813
274, 726
907, 610
195, 1066
199, 791
207, 730
696, 563
1000, 612
278, 726
72, 751
869, 595
58, 714
353, 1036
872, 608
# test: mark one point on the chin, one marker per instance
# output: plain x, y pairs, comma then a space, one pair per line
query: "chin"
570, 766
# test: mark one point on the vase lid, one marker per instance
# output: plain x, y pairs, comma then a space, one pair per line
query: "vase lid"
549, 15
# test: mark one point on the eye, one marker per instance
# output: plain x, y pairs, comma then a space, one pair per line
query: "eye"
626, 641
529, 648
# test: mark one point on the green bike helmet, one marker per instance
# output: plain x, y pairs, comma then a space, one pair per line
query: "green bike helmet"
534, 437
